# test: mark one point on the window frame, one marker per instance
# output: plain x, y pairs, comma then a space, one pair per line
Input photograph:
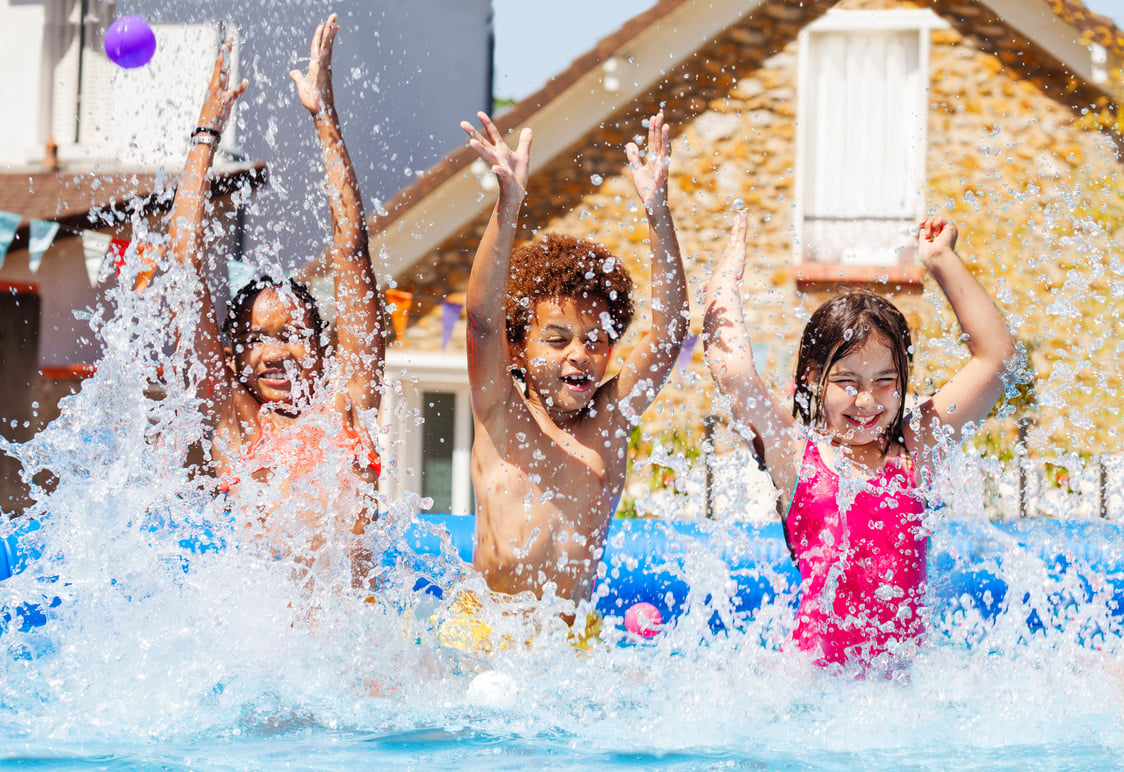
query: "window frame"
835, 21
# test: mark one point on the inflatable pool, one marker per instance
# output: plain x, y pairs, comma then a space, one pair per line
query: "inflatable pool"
663, 562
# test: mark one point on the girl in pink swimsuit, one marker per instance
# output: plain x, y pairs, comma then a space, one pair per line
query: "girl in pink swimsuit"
847, 459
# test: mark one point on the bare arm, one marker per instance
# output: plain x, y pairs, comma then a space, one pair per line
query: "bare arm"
649, 364
972, 392
488, 352
185, 232
729, 356
359, 327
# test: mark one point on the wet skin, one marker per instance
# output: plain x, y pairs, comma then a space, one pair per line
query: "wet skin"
549, 486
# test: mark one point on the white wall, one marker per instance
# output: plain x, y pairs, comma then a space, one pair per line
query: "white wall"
406, 73
21, 34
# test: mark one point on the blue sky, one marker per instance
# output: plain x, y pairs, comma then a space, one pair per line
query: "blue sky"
535, 40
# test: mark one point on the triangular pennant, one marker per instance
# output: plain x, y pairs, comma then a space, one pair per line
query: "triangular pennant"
117, 250
94, 247
8, 224
400, 302
40, 236
450, 313
687, 354
239, 274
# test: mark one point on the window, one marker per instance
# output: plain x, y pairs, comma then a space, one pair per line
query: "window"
429, 438
438, 456
861, 137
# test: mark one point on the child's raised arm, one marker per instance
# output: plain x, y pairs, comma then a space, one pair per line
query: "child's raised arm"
359, 326
185, 231
485, 303
969, 396
729, 355
649, 364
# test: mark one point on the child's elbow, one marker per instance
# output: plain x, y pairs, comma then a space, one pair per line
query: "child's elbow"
1006, 350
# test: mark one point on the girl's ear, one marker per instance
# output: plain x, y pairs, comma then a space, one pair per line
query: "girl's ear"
228, 353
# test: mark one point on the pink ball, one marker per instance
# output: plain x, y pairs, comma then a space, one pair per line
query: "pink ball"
643, 619
130, 42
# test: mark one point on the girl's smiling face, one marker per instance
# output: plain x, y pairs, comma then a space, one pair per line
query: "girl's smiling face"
862, 395
275, 353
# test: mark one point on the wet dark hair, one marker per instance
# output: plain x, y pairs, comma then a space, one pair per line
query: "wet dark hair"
838, 327
243, 301
559, 266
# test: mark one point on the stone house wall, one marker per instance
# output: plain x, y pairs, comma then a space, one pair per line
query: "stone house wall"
1007, 160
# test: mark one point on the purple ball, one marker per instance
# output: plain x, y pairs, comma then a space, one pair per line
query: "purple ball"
130, 42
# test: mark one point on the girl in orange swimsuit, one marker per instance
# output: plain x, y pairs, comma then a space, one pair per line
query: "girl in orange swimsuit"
276, 393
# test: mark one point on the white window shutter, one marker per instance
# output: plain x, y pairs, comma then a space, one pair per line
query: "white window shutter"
860, 173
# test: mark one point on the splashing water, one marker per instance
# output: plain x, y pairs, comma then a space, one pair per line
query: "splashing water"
218, 652
174, 638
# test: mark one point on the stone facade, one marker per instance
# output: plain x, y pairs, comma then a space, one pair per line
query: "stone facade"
1034, 192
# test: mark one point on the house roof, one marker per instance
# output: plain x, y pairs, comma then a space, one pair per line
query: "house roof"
626, 64
1094, 27
83, 200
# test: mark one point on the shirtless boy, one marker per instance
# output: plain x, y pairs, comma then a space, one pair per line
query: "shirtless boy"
548, 460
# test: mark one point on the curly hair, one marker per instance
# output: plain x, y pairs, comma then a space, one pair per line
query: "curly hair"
238, 312
838, 327
560, 266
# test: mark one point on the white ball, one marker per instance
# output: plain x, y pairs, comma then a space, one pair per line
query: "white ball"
492, 688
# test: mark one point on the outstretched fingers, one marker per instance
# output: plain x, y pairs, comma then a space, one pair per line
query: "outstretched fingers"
733, 258
650, 168
506, 163
323, 40
659, 139
220, 97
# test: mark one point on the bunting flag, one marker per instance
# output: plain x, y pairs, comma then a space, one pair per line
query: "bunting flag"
8, 224
95, 246
450, 313
41, 234
400, 302
117, 250
239, 274
687, 354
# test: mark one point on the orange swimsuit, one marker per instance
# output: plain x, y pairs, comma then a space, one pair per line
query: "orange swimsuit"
299, 447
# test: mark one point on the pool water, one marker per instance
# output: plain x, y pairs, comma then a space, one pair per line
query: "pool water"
247, 661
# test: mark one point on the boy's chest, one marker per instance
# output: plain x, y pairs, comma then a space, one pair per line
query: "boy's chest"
570, 455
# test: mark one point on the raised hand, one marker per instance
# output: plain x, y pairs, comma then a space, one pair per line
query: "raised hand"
220, 98
314, 88
649, 172
732, 263
511, 167
935, 237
